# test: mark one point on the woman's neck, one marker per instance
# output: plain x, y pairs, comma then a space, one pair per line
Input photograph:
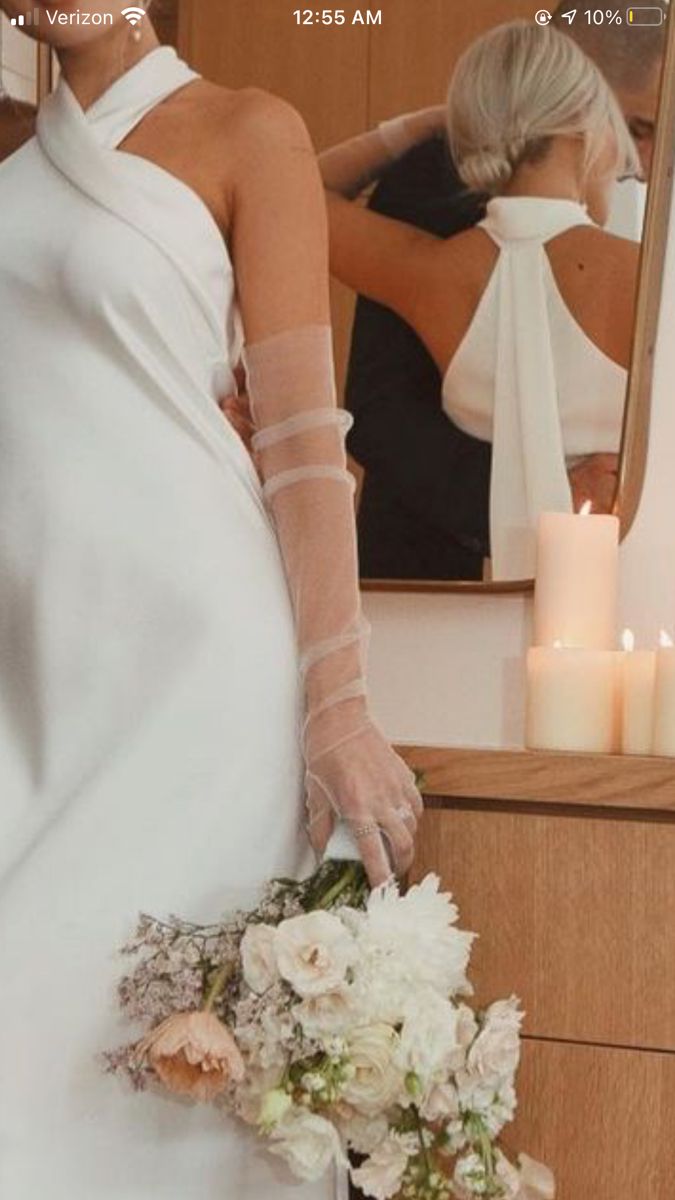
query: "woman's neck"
558, 176
92, 68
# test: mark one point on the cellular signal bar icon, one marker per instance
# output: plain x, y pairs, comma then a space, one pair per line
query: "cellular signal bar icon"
29, 19
645, 16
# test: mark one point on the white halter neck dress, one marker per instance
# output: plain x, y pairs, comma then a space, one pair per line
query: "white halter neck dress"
527, 378
149, 698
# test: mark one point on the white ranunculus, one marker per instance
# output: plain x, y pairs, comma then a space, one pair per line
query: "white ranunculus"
308, 1143
536, 1181
330, 1013
313, 952
429, 1041
496, 1051
377, 1079
257, 958
441, 1103
381, 1175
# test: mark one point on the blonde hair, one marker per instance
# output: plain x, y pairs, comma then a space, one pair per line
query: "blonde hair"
516, 88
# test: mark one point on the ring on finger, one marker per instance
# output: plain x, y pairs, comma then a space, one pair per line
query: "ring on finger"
362, 831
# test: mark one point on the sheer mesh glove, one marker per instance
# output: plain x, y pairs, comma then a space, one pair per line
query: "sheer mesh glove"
353, 165
351, 770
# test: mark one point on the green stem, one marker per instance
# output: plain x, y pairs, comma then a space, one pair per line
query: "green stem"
424, 1151
217, 987
341, 884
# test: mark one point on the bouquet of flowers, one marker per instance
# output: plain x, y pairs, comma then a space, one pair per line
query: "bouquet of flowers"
336, 1020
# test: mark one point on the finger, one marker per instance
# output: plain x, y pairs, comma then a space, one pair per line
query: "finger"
374, 858
320, 828
400, 841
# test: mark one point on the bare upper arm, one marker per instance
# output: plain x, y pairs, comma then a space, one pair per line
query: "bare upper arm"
278, 235
388, 261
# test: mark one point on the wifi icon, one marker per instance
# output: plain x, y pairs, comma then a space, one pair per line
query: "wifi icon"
133, 15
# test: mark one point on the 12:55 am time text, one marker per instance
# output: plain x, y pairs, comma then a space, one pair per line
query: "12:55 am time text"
337, 16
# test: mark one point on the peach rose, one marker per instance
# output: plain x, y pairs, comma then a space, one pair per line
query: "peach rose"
193, 1054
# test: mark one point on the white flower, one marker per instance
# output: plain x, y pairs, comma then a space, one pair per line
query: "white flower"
308, 1143
313, 952
495, 1105
381, 1175
470, 1177
377, 1080
331, 1013
441, 1103
257, 958
536, 1180
407, 943
429, 1043
364, 1134
508, 1176
496, 1051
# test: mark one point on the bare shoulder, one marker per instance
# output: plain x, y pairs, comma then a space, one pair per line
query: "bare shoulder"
587, 248
248, 118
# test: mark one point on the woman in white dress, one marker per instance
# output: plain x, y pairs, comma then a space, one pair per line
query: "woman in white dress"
152, 701
529, 316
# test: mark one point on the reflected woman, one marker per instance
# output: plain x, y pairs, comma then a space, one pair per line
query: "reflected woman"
181, 648
529, 315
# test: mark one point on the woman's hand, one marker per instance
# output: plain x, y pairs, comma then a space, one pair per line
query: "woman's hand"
364, 783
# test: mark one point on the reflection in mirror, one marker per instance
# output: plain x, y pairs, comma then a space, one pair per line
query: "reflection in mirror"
491, 346
18, 87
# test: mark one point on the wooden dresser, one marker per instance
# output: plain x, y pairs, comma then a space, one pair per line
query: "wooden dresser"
565, 866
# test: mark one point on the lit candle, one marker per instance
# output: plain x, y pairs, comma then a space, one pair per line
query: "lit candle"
572, 699
575, 598
664, 698
638, 669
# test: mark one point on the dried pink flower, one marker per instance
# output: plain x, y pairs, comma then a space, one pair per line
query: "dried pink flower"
193, 1054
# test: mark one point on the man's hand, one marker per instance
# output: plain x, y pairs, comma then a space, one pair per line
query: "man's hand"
595, 479
237, 409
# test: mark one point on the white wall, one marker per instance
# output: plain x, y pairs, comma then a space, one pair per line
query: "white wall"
448, 670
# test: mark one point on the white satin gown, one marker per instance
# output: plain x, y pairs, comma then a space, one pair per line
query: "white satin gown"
149, 697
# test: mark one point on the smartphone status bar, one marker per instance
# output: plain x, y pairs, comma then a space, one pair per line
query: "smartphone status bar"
640, 15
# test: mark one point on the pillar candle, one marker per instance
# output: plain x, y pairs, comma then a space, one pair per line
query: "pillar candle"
638, 670
572, 700
664, 699
575, 598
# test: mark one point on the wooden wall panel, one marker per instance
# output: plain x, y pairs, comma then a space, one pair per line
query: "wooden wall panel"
601, 1118
414, 50
574, 915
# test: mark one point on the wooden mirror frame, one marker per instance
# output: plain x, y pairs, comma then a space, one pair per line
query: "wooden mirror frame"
635, 437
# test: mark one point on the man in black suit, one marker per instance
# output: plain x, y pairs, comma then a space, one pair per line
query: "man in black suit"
424, 510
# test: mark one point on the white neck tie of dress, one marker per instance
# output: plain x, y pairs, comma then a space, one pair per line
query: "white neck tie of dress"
82, 146
529, 472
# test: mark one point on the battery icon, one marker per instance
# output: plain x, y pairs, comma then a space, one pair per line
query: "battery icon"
645, 16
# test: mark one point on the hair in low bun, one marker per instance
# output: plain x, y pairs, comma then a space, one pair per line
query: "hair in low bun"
486, 170
516, 88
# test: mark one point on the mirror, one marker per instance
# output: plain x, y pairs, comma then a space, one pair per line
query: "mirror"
421, 447
421, 443
19, 86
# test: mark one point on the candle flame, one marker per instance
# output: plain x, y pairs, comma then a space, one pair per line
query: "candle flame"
665, 640
586, 509
628, 640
